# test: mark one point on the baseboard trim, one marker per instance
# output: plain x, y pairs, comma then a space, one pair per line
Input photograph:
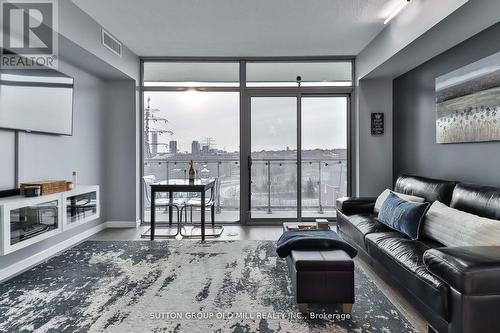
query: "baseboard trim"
27, 263
123, 224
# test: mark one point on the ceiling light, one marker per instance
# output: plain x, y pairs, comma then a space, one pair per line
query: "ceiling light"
396, 11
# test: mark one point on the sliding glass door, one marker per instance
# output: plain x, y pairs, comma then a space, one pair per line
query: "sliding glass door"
324, 154
298, 156
273, 184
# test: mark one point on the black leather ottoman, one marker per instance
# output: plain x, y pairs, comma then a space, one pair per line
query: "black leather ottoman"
322, 277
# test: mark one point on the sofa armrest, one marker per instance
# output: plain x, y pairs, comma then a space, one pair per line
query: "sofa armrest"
472, 270
356, 205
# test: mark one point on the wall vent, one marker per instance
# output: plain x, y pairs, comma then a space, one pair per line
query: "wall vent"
111, 43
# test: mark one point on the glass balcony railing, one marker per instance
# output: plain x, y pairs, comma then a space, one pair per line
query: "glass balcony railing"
273, 184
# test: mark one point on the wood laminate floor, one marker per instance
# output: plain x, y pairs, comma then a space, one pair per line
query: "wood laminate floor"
239, 232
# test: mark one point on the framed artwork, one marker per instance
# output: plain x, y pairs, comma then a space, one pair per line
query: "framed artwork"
468, 103
377, 127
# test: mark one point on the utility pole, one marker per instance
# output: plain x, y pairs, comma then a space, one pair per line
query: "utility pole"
149, 119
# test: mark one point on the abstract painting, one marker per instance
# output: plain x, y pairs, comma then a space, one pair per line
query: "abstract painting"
468, 103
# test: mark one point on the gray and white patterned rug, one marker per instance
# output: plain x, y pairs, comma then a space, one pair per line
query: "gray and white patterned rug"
178, 286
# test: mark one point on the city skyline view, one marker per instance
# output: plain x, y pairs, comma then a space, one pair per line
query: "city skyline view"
204, 127
196, 116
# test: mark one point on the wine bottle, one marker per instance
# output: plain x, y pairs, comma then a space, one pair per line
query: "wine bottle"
191, 172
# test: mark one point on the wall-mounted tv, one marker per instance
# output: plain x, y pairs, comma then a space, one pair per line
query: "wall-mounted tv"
36, 101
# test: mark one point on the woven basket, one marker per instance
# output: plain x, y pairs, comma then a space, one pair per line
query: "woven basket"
47, 186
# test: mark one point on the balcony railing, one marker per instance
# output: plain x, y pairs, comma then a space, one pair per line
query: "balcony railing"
274, 181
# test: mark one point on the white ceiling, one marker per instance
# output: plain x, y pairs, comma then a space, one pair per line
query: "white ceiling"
241, 28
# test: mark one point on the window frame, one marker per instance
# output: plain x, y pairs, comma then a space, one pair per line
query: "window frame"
245, 93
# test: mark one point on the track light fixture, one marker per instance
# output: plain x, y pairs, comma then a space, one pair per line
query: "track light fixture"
397, 10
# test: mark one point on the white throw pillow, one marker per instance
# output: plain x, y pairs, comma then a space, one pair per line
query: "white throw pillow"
381, 198
453, 227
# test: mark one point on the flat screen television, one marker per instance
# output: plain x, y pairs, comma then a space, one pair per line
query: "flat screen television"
36, 101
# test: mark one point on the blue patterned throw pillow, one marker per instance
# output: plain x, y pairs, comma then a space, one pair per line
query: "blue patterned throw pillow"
403, 216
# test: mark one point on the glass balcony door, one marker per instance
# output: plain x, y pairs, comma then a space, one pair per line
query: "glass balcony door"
323, 154
273, 152
298, 156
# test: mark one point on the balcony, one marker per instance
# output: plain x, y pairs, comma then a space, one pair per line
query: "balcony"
273, 186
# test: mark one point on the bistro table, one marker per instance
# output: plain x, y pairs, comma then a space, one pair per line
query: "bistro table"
180, 185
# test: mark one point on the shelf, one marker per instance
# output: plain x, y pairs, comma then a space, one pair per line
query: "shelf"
80, 206
25, 221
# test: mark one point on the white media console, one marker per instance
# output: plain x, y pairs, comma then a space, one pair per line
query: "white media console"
25, 221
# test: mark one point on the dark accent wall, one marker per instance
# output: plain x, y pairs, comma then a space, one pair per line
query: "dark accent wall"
414, 129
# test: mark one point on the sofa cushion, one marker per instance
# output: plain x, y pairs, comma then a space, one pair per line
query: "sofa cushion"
478, 200
356, 227
472, 270
427, 188
403, 216
403, 257
384, 195
453, 227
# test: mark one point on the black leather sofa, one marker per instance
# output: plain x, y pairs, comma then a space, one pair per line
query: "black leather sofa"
456, 289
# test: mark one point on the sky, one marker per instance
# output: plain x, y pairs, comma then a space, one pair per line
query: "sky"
195, 115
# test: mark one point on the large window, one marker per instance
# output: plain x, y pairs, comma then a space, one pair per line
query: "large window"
286, 120
309, 74
184, 124
191, 74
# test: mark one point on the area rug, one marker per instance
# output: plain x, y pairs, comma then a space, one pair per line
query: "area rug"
178, 286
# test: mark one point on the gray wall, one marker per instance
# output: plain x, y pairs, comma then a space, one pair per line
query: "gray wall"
52, 157
374, 159
104, 146
120, 142
464, 23
7, 151
403, 30
102, 150
81, 29
415, 147
55, 157
123, 161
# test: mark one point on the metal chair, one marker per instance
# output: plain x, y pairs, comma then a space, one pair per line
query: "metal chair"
162, 202
84, 205
196, 203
